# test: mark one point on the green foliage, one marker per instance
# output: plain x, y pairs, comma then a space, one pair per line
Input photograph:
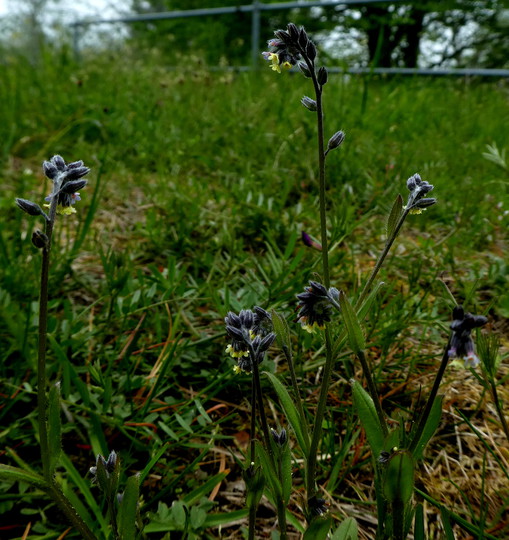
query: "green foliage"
206, 185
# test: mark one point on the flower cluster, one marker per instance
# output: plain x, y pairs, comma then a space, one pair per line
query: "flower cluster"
315, 306
106, 473
418, 188
67, 180
251, 336
288, 47
462, 345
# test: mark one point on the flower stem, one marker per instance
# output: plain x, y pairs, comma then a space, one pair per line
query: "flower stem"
381, 259
252, 458
500, 412
320, 412
431, 399
42, 382
291, 366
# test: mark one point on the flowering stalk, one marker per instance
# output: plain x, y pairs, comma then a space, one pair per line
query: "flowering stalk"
460, 344
287, 48
67, 180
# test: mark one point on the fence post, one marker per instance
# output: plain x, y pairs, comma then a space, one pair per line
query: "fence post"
255, 34
76, 41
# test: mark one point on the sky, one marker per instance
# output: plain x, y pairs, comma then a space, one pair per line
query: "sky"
80, 9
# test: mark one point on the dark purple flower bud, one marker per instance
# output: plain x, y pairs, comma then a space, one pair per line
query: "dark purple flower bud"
39, 239
305, 70
293, 32
235, 333
311, 51
232, 319
279, 438
58, 162
247, 318
424, 203
29, 207
50, 170
76, 172
267, 341
284, 36
322, 76
73, 186
308, 241
309, 103
303, 38
75, 164
336, 140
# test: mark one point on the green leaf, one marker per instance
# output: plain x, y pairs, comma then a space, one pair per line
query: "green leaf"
347, 530
291, 413
155, 458
216, 520
318, 529
205, 488
269, 473
10, 474
54, 427
431, 426
369, 419
128, 510
286, 472
398, 481
419, 523
353, 327
179, 514
197, 517
394, 216
281, 329
363, 310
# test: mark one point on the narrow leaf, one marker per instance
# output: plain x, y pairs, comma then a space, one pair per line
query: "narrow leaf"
394, 216
152, 462
419, 523
54, 427
281, 329
15, 474
269, 473
369, 419
129, 509
318, 529
353, 327
286, 473
431, 426
398, 481
205, 488
291, 412
347, 530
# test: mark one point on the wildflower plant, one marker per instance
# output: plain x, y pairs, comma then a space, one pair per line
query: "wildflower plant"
67, 179
320, 307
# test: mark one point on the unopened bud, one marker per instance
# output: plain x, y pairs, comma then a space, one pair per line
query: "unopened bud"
309, 103
336, 140
39, 239
311, 50
305, 70
29, 207
322, 76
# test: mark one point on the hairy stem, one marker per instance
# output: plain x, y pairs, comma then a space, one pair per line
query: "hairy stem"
252, 458
320, 412
381, 259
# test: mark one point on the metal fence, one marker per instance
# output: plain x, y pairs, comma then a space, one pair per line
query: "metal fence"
256, 8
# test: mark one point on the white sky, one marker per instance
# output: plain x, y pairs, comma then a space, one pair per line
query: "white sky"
76, 9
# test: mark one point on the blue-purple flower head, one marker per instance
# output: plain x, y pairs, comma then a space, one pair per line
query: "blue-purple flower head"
251, 335
462, 345
315, 306
287, 47
68, 180
417, 202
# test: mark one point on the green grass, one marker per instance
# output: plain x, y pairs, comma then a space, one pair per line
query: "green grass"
201, 186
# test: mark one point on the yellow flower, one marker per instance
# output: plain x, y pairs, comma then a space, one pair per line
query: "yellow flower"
235, 354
